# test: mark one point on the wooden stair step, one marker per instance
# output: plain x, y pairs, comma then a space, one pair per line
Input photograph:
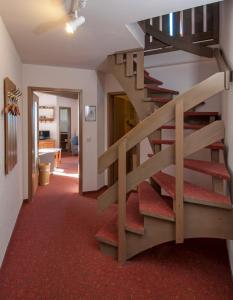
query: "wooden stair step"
210, 168
153, 205
157, 100
192, 193
134, 220
186, 126
148, 79
157, 89
108, 234
214, 146
201, 114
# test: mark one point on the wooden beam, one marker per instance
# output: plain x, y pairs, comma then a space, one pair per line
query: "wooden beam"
179, 160
122, 202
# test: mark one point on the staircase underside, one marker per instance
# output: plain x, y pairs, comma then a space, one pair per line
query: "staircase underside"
199, 222
194, 30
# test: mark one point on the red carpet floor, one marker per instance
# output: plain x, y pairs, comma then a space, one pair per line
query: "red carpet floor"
53, 256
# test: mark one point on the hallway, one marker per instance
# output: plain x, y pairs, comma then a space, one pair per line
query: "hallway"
53, 255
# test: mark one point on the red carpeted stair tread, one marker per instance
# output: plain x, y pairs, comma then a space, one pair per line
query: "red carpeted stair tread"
214, 146
108, 233
134, 220
154, 205
192, 193
146, 72
134, 223
148, 79
211, 168
186, 126
201, 114
155, 88
217, 146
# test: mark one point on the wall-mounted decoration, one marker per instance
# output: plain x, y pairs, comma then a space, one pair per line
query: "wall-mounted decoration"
90, 113
46, 113
12, 96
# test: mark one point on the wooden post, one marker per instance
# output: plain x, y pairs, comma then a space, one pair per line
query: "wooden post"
122, 201
217, 184
179, 159
129, 64
136, 156
140, 70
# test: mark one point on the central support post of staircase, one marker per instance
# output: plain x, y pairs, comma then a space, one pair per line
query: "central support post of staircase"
122, 202
179, 160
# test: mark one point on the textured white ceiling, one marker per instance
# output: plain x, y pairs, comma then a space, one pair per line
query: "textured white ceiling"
104, 32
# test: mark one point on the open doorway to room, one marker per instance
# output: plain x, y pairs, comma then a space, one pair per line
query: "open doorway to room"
122, 117
54, 134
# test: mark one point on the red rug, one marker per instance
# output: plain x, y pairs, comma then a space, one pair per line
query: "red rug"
53, 256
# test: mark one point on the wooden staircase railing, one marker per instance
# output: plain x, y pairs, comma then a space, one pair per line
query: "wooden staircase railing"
190, 30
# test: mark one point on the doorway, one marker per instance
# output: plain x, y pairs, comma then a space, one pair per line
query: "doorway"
122, 117
43, 138
64, 128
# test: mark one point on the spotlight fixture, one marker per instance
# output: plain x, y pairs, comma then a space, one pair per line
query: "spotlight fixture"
73, 25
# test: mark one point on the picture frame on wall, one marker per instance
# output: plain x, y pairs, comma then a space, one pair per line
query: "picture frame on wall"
90, 113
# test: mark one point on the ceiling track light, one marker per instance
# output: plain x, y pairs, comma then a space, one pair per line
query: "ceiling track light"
73, 25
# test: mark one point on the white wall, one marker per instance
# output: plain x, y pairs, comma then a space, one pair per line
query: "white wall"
11, 194
68, 78
226, 41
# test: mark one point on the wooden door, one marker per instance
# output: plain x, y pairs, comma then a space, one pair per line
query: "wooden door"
123, 119
35, 143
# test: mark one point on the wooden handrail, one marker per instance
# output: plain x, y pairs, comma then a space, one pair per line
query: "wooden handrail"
223, 67
192, 143
196, 95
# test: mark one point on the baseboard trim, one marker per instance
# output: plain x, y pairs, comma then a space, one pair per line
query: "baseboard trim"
95, 192
230, 255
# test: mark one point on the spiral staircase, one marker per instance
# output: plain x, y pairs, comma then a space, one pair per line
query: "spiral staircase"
163, 207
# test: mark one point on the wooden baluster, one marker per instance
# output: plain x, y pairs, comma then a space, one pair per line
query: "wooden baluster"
119, 58
217, 184
129, 64
179, 159
122, 202
136, 156
199, 19
140, 70
176, 24
187, 24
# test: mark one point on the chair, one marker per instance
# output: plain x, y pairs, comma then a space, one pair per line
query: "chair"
74, 145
